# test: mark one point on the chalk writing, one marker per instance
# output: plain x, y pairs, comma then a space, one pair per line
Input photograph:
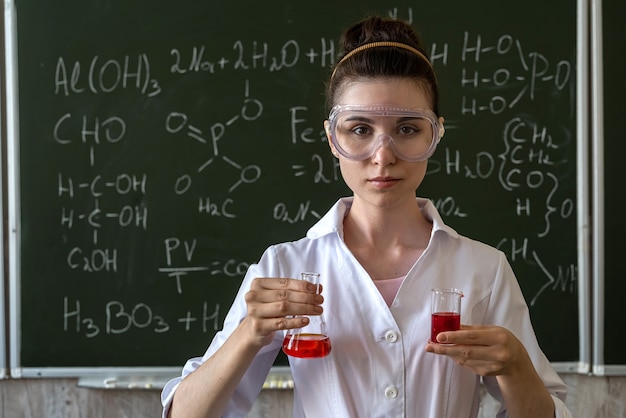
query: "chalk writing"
117, 318
105, 76
251, 110
282, 214
447, 206
534, 68
180, 154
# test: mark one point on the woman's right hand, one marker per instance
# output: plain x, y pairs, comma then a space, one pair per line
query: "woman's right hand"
274, 301
271, 303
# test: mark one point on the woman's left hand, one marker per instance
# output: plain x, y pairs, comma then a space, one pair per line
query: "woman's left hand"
489, 350
485, 349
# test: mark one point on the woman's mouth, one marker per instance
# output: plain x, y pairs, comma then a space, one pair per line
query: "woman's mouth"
383, 181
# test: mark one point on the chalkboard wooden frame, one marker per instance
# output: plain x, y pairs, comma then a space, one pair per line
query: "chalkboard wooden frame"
583, 211
5, 167
3, 279
608, 88
126, 374
9, 49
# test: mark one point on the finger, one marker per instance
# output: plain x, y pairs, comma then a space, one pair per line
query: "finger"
264, 328
285, 323
479, 359
463, 353
466, 352
268, 290
457, 337
264, 321
282, 309
283, 283
283, 295
474, 335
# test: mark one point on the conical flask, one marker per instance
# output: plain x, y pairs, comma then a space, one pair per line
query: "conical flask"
310, 341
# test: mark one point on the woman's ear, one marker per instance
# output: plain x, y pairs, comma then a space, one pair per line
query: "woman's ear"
442, 129
328, 138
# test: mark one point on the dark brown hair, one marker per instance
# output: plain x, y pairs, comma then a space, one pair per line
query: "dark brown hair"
384, 61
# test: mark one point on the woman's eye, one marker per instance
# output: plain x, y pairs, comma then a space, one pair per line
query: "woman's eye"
408, 130
360, 130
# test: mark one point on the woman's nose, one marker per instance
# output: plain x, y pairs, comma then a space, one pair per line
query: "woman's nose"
384, 154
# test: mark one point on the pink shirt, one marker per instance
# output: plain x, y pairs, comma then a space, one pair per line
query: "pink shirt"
389, 288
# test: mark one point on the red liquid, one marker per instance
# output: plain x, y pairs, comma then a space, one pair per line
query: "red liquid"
444, 321
306, 345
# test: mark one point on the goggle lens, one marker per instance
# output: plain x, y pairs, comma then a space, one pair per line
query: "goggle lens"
358, 131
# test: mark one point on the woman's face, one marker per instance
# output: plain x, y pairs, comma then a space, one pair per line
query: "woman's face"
383, 180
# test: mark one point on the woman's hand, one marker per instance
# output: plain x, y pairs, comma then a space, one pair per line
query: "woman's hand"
206, 391
486, 350
495, 351
272, 303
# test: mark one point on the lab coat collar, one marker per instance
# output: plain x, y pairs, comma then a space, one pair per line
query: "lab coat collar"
332, 221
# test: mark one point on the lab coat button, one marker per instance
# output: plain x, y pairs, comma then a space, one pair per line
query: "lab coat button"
391, 392
391, 336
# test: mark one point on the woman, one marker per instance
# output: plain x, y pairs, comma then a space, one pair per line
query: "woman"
379, 254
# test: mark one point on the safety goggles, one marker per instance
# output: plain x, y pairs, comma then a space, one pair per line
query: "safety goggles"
357, 131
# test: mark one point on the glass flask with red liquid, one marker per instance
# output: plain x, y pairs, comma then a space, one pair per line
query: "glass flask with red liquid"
310, 341
446, 311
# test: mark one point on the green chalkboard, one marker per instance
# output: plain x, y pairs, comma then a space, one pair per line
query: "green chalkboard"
164, 145
614, 45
